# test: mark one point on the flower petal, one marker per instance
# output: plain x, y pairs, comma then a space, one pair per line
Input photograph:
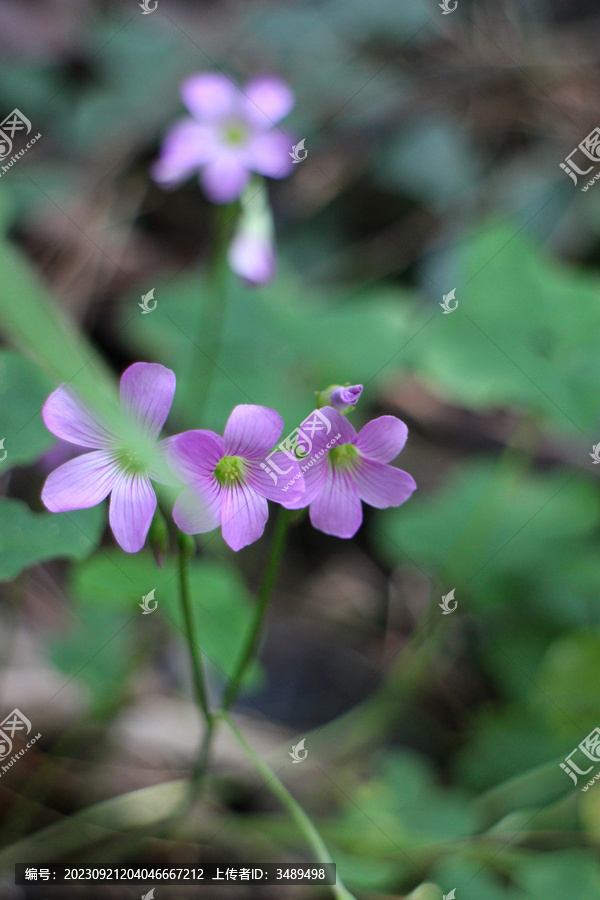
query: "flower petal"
337, 510
211, 96
80, 483
269, 154
244, 515
381, 486
251, 431
193, 456
321, 428
224, 179
67, 418
252, 258
198, 511
280, 479
132, 506
315, 473
382, 439
147, 391
267, 99
187, 146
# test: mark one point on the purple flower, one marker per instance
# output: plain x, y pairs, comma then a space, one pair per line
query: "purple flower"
227, 485
352, 469
344, 397
230, 135
147, 391
253, 258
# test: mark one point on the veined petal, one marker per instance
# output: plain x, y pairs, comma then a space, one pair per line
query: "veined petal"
337, 509
224, 179
314, 472
147, 391
66, 417
132, 506
251, 431
267, 99
211, 96
382, 439
196, 512
187, 146
381, 485
244, 515
281, 479
81, 482
321, 428
193, 456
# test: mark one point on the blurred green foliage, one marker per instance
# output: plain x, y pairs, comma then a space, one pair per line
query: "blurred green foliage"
400, 200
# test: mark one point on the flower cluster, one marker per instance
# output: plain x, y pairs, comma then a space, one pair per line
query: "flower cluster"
231, 135
226, 480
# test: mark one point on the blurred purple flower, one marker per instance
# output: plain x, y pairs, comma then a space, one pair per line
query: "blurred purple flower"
343, 397
354, 470
231, 134
147, 391
227, 485
253, 258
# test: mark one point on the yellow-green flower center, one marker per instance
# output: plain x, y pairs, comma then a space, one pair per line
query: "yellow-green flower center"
234, 133
230, 470
344, 456
131, 463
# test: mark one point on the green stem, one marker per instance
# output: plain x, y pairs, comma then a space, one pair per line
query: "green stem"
195, 652
303, 822
212, 318
275, 555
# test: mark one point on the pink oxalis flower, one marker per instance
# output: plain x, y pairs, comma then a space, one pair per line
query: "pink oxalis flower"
354, 471
227, 486
147, 391
231, 134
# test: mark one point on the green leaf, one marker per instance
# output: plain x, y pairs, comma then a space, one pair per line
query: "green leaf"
27, 538
221, 604
23, 390
299, 344
524, 333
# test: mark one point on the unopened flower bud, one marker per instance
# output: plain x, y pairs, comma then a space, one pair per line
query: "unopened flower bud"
186, 545
252, 253
341, 397
158, 537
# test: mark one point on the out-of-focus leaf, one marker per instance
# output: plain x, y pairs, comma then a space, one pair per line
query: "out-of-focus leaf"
221, 604
23, 390
524, 333
27, 538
